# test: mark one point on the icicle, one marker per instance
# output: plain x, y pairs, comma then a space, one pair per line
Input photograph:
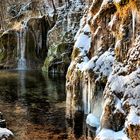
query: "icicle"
85, 98
133, 21
98, 104
68, 104
89, 96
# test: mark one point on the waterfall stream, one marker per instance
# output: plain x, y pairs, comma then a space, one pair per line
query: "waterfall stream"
21, 49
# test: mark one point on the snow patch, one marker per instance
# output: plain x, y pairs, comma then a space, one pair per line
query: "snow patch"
117, 1
132, 118
107, 134
92, 120
83, 42
5, 132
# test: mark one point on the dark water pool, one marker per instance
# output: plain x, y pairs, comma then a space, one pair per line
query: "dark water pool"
33, 105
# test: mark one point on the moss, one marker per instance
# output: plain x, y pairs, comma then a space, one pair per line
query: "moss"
2, 56
65, 58
57, 53
57, 49
61, 48
75, 53
47, 63
123, 2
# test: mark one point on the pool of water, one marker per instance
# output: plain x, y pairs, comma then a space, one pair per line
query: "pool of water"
33, 104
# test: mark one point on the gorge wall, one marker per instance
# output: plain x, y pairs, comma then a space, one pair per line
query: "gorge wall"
32, 31
103, 78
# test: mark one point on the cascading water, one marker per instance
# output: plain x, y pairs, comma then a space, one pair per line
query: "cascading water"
21, 49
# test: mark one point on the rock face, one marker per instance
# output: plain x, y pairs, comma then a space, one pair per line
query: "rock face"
25, 36
43, 31
31, 34
36, 37
103, 77
61, 38
8, 49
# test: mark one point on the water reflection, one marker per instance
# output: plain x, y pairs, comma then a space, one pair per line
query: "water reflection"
21, 89
32, 104
78, 129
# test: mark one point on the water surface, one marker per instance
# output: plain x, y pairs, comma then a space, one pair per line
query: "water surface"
33, 104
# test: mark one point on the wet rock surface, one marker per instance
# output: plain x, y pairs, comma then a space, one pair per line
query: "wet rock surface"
61, 38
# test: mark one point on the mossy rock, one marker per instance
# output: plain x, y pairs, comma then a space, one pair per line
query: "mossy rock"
30, 46
47, 63
122, 2
75, 53
9, 40
58, 58
8, 45
57, 49
36, 48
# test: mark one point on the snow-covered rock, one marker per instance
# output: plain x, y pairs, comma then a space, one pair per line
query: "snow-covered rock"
92, 120
105, 64
107, 134
5, 133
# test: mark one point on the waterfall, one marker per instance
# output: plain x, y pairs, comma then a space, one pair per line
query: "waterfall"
21, 49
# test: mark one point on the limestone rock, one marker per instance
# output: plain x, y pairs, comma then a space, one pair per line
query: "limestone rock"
105, 65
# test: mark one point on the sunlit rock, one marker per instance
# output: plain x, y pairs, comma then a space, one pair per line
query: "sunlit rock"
105, 69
